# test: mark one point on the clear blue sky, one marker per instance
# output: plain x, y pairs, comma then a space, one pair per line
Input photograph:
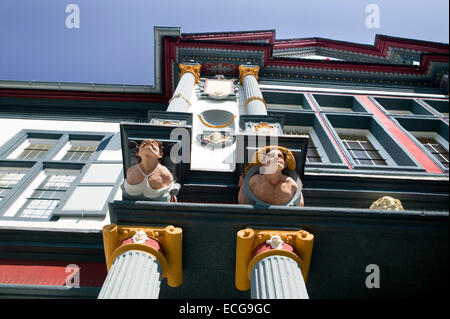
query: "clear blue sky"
114, 43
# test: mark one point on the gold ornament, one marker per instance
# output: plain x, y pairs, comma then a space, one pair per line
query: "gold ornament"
254, 98
190, 68
247, 70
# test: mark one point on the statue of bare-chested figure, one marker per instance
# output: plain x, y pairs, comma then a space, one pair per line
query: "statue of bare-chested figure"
149, 177
272, 185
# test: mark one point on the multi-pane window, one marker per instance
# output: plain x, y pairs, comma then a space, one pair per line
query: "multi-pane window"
435, 144
312, 155
8, 178
80, 151
40, 170
438, 151
33, 149
367, 144
362, 150
46, 197
431, 135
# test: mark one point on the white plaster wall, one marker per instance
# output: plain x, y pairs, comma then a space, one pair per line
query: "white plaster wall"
219, 159
112, 152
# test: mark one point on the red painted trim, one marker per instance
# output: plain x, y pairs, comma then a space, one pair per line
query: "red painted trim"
265, 247
149, 242
328, 65
380, 48
51, 273
330, 135
319, 64
438, 53
233, 36
265, 48
399, 135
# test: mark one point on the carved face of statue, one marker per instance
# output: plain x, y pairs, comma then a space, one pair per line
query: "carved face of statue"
150, 148
274, 158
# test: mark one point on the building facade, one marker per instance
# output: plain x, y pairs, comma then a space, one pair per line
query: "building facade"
359, 122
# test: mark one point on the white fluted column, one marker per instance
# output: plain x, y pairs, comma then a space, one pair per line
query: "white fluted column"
133, 275
189, 76
248, 78
277, 277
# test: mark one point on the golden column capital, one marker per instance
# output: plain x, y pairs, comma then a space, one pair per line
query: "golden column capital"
190, 68
169, 237
247, 70
249, 239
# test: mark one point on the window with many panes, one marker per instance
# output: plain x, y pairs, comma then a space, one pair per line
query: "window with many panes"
435, 148
367, 144
47, 195
33, 149
431, 135
9, 177
435, 144
77, 151
312, 155
39, 170
321, 152
361, 149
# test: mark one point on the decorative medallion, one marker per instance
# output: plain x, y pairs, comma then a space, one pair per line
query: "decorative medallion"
263, 128
156, 121
216, 139
140, 237
275, 242
218, 88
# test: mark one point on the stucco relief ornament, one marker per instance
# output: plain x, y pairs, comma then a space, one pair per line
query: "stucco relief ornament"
218, 88
140, 237
264, 128
216, 139
218, 93
275, 242
165, 122
387, 203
